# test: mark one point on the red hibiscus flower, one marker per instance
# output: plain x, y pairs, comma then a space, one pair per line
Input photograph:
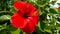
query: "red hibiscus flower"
59, 8
26, 18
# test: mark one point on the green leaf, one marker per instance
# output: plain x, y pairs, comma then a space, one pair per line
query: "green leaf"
3, 32
58, 19
39, 27
2, 27
11, 28
16, 32
4, 18
45, 21
58, 28
48, 30
42, 3
38, 31
52, 10
6, 13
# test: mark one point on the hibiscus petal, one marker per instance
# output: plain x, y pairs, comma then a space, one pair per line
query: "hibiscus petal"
31, 8
34, 19
22, 6
18, 21
30, 27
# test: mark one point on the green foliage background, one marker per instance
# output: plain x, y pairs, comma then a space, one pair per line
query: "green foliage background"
49, 22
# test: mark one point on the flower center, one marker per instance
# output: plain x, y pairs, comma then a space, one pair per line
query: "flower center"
26, 15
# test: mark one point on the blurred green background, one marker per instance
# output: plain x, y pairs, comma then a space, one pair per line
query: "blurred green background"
49, 22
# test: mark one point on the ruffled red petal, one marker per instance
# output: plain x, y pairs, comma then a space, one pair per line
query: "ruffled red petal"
30, 27
21, 6
34, 19
25, 7
31, 9
18, 21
